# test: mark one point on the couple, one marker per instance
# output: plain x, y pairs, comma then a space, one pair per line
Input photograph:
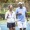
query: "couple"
18, 16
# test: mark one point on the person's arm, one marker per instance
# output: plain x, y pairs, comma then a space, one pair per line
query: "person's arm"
6, 16
15, 16
26, 15
15, 19
16, 12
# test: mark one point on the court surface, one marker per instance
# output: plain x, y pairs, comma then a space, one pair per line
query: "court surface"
3, 26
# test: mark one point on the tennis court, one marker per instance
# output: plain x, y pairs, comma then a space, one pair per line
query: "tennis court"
3, 26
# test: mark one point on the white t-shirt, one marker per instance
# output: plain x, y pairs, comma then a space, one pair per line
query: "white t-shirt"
11, 18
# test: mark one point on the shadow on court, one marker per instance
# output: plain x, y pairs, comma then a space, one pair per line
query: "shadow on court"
4, 27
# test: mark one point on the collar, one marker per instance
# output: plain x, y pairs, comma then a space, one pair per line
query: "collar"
20, 8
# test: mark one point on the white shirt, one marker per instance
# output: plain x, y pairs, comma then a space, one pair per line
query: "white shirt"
11, 17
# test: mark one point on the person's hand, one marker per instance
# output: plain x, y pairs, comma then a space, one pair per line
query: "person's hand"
16, 23
20, 13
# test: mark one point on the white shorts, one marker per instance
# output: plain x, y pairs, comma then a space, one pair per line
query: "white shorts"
21, 24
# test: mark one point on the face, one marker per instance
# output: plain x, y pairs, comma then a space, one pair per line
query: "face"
20, 5
10, 7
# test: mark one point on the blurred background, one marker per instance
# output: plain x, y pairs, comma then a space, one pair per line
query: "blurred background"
4, 7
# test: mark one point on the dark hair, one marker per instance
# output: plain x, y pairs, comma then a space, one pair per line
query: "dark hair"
9, 5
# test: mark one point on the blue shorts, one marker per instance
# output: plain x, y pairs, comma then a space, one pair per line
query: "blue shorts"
9, 25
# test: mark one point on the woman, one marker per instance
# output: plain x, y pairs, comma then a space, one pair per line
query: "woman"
10, 17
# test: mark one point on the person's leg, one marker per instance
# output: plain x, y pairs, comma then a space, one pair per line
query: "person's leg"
24, 28
9, 25
13, 26
19, 25
10, 28
20, 28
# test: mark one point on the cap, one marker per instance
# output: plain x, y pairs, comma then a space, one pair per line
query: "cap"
21, 3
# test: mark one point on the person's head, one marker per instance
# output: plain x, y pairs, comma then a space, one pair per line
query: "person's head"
10, 7
20, 4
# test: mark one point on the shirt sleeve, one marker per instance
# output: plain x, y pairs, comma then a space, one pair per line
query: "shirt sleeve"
6, 14
16, 11
15, 16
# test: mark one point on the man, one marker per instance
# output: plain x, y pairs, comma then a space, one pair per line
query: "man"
11, 18
20, 15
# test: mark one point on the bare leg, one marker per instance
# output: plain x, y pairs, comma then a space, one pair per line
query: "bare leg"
13, 28
10, 28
